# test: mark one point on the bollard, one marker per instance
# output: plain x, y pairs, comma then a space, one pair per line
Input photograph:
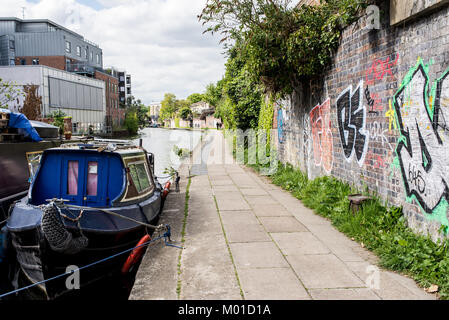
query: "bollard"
177, 178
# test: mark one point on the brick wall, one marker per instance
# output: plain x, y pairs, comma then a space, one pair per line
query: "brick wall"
114, 114
57, 62
374, 121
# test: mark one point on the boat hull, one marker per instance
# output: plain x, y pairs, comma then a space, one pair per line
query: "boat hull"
108, 235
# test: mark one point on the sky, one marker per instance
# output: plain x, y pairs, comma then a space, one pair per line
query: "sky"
159, 42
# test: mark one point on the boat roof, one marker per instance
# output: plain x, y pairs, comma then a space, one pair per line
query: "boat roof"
100, 145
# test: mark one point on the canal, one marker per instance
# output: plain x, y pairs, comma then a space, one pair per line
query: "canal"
161, 143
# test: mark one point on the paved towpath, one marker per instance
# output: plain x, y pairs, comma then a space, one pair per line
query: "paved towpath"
248, 239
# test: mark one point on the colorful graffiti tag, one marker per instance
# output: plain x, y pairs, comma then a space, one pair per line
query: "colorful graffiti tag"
423, 146
280, 126
379, 69
351, 117
322, 135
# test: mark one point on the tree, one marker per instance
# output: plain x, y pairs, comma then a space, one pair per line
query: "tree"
131, 121
168, 106
9, 92
140, 109
195, 97
281, 43
33, 102
185, 113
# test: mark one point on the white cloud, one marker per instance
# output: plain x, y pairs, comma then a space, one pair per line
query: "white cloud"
159, 42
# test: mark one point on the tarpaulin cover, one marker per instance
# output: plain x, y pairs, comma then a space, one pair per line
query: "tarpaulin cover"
19, 121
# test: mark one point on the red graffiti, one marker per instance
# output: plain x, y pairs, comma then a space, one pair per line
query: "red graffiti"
322, 135
379, 68
376, 160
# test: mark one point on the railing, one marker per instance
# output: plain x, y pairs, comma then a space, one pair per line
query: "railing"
80, 68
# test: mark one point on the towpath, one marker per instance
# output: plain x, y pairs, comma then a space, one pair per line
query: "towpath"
246, 238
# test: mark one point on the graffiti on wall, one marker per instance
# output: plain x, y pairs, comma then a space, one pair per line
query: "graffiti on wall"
380, 68
351, 117
378, 134
322, 135
423, 146
280, 126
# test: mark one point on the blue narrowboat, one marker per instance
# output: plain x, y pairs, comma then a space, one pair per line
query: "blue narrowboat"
86, 202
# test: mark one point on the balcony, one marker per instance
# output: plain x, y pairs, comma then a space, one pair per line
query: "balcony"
80, 68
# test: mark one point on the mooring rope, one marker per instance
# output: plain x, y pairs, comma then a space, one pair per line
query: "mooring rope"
165, 236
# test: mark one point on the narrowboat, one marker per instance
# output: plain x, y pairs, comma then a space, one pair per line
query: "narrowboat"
87, 202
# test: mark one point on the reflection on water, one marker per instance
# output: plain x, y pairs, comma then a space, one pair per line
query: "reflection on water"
161, 142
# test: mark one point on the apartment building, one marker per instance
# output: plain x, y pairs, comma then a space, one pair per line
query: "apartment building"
43, 42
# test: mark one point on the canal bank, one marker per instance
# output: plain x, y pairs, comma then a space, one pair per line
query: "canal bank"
246, 238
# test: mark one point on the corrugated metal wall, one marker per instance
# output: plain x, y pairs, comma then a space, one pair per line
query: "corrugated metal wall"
72, 95
39, 44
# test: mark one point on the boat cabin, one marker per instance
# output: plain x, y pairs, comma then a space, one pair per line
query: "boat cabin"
91, 176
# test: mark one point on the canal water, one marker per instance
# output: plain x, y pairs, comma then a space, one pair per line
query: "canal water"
161, 143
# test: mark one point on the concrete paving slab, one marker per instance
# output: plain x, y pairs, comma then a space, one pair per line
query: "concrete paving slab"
224, 188
323, 271
261, 200
282, 224
257, 255
270, 210
246, 233
253, 192
343, 294
231, 201
299, 243
271, 284
331, 236
242, 218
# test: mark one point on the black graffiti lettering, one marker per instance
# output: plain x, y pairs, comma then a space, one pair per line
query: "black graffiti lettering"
368, 97
351, 117
415, 177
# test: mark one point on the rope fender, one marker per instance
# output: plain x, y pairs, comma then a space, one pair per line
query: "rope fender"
59, 238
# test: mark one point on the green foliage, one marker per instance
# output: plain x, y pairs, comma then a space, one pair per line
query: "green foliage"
280, 43
9, 92
266, 114
181, 152
131, 121
185, 113
194, 98
58, 117
168, 106
141, 111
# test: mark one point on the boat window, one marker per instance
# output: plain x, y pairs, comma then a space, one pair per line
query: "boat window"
139, 176
72, 178
92, 178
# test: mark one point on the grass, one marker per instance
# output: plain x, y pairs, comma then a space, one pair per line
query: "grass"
382, 229
183, 232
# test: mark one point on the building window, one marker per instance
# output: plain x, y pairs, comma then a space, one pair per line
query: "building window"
78, 51
98, 58
12, 62
23, 62
35, 62
128, 90
68, 47
85, 53
91, 56
12, 44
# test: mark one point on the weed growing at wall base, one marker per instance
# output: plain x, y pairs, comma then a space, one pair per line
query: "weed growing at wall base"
382, 229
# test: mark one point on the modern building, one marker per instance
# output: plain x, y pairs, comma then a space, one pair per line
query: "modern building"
124, 84
43, 42
82, 98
